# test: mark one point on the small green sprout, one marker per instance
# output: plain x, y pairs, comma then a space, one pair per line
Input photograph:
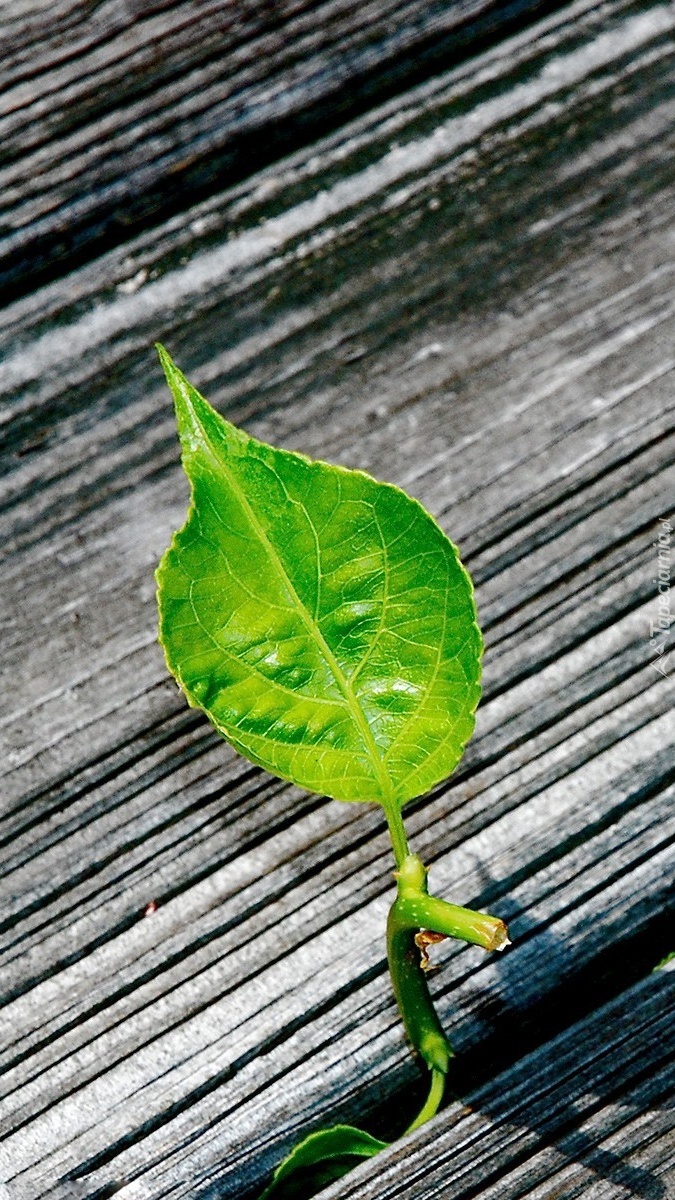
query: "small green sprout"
326, 626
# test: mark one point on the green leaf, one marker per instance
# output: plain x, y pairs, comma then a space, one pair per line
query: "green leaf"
321, 619
320, 1159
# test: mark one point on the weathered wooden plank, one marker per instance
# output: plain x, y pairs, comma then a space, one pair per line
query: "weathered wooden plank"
623, 925
114, 117
591, 1113
64, 904
395, 430
510, 719
526, 396
185, 1134
438, 170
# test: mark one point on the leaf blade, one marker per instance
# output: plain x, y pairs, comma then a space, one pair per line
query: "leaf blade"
293, 611
331, 1152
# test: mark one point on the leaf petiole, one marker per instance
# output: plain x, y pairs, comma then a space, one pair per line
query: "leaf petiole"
399, 840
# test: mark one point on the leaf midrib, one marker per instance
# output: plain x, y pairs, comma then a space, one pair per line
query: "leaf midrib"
314, 632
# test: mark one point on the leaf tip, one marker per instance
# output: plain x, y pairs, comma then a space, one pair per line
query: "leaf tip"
201, 428
177, 382
193, 412
180, 388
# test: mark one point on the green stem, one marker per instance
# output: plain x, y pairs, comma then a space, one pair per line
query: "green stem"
422, 911
421, 1023
432, 1102
414, 910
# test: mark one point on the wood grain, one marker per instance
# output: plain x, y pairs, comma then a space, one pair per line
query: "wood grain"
559, 1109
115, 115
469, 291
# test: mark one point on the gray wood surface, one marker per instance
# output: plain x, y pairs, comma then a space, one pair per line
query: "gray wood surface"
588, 1114
115, 113
468, 291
